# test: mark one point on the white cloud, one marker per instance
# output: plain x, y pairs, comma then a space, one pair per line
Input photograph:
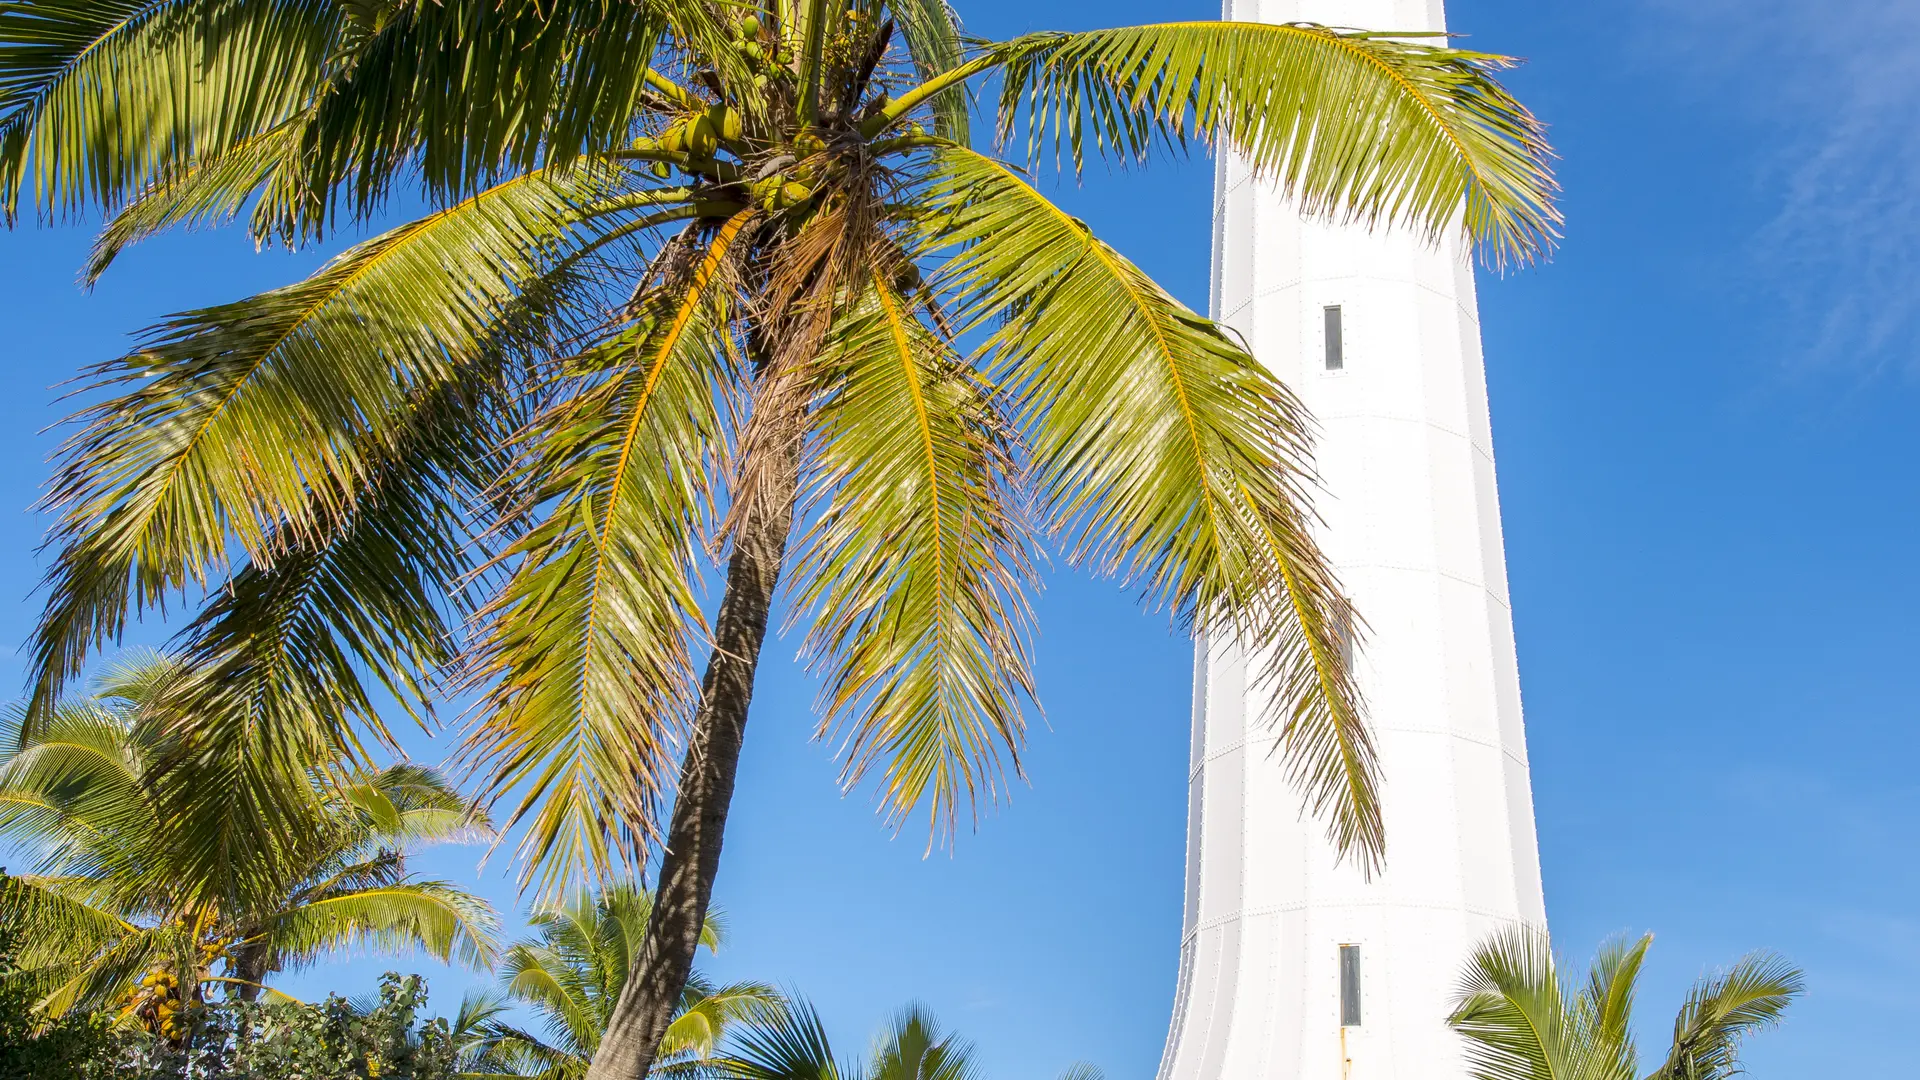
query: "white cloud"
1831, 89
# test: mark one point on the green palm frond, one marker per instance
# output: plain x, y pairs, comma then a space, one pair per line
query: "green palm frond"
77, 953
561, 989
54, 924
912, 1048
1607, 1000
446, 922
1517, 1017
409, 805
1722, 1010
1521, 1022
98, 99
1164, 454
913, 573
469, 91
208, 191
257, 422
791, 1044
70, 781
931, 29
1357, 126
709, 1013
587, 646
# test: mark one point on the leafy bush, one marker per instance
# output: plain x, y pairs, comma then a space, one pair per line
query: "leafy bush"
286, 1040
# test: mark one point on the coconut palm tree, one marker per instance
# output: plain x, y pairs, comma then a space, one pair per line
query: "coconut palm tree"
792, 1045
1523, 1022
694, 272
571, 973
112, 915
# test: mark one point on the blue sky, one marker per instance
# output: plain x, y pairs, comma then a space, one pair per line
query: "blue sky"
1704, 410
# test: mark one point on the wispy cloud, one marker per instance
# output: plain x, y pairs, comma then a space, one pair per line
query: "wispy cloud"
1831, 88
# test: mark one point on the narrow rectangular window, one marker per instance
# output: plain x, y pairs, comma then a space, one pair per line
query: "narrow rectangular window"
1336, 353
1349, 986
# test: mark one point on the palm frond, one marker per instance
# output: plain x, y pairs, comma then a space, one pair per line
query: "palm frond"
914, 570
98, 100
70, 785
1354, 126
1722, 1010
1166, 455
913, 1048
790, 1044
711, 1014
446, 922
256, 422
470, 91
1609, 994
206, 192
586, 649
931, 29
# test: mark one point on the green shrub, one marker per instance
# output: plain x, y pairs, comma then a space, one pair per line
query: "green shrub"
335, 1040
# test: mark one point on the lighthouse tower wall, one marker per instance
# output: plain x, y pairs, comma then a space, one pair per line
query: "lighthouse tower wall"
1377, 331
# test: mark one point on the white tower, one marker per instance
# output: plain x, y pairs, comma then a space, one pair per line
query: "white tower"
1293, 966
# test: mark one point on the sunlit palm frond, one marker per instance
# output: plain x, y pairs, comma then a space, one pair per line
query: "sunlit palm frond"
914, 571
446, 922
913, 1048
1167, 455
468, 91
710, 1013
1522, 1023
586, 649
98, 100
1355, 126
1607, 1000
254, 422
70, 784
209, 191
54, 923
1722, 1010
406, 805
561, 989
1512, 1010
931, 29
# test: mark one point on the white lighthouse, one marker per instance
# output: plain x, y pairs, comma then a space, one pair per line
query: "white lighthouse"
1292, 965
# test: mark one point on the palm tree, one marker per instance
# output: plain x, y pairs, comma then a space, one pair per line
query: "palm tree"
792, 1045
695, 272
113, 916
1522, 1022
572, 973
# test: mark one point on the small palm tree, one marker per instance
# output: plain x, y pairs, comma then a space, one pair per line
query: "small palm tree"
793, 1045
703, 278
1522, 1022
572, 973
113, 914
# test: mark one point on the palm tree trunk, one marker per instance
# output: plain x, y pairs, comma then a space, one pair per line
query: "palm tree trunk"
692, 856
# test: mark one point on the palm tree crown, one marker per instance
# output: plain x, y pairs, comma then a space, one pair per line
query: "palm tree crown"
112, 915
1522, 1022
572, 972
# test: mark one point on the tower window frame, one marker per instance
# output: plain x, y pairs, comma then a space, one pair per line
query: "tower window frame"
1333, 338
1349, 986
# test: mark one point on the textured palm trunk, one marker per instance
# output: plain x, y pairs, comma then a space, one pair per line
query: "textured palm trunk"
692, 856
249, 965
